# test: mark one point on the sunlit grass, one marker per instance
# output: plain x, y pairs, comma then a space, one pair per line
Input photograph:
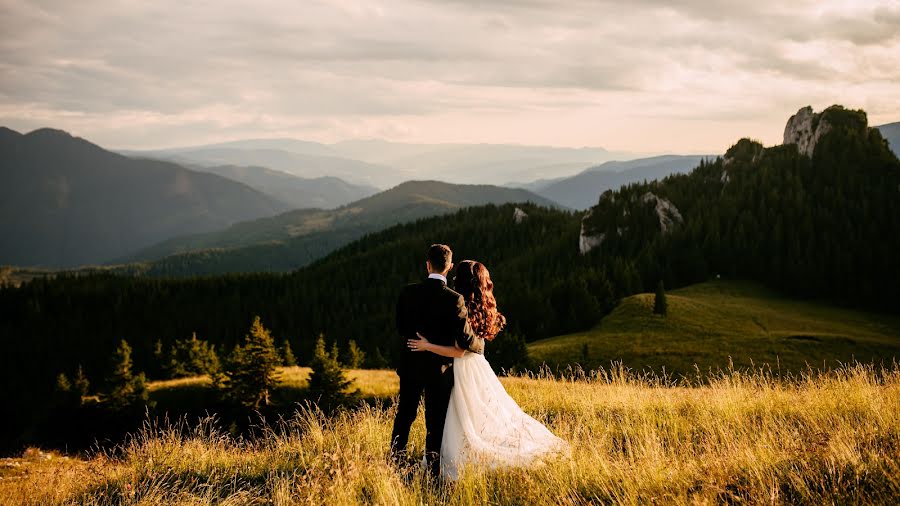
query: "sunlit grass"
710, 324
378, 383
740, 437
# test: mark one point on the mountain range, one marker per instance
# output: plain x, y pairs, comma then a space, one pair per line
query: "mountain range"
67, 202
891, 132
581, 190
296, 192
385, 164
296, 238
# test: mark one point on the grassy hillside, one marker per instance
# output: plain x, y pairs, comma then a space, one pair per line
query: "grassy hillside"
714, 322
743, 439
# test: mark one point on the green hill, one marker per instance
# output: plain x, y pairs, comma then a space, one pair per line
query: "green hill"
296, 238
817, 216
710, 323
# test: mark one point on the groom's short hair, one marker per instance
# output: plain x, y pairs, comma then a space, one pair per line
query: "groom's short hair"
440, 256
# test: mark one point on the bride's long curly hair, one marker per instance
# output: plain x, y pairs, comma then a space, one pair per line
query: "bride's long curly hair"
473, 282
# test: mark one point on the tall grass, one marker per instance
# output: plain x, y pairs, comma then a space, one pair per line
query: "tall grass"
740, 437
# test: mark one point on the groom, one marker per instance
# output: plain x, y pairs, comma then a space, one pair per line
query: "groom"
436, 311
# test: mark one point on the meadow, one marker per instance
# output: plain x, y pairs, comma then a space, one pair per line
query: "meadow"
738, 437
712, 324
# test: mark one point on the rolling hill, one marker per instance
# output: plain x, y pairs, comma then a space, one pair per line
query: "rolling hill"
582, 190
296, 192
296, 238
710, 323
300, 164
66, 202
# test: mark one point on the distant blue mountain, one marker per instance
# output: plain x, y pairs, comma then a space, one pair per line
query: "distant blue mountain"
582, 190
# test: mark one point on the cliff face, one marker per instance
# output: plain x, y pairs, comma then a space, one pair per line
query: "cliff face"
628, 216
807, 127
586, 241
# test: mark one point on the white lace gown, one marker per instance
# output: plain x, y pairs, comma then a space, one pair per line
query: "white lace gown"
485, 427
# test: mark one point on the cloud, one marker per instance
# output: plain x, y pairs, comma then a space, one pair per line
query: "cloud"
145, 74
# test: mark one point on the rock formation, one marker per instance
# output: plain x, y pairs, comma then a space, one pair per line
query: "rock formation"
668, 214
519, 215
805, 129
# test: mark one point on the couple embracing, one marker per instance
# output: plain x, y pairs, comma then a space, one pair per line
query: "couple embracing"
469, 417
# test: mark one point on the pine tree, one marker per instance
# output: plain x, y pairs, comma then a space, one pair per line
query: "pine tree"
192, 357
354, 356
328, 384
161, 360
64, 392
335, 351
250, 374
660, 306
125, 389
80, 384
62, 383
287, 354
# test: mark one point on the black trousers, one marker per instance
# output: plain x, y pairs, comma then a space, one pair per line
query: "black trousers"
436, 387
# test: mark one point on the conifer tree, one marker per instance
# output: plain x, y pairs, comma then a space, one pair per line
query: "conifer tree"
328, 384
250, 374
125, 389
287, 354
65, 396
660, 306
335, 351
80, 383
354, 356
192, 357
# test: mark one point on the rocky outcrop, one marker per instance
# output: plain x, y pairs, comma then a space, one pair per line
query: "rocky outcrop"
587, 242
805, 129
668, 214
519, 215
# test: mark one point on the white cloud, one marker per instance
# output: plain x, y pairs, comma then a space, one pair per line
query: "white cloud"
642, 76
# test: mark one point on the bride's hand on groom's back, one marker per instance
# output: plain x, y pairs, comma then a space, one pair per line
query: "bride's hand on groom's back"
420, 344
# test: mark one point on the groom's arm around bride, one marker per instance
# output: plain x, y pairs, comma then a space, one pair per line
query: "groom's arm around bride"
433, 309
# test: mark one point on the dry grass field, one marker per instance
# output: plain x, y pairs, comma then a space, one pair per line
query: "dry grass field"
741, 437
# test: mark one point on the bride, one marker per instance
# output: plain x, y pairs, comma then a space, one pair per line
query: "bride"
484, 424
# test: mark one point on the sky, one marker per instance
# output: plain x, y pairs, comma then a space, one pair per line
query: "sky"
646, 76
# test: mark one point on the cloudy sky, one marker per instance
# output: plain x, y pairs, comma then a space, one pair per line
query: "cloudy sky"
642, 76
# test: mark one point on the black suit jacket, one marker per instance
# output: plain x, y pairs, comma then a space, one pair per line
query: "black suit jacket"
439, 314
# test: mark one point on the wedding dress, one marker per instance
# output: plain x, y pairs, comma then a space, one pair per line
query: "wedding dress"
485, 427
